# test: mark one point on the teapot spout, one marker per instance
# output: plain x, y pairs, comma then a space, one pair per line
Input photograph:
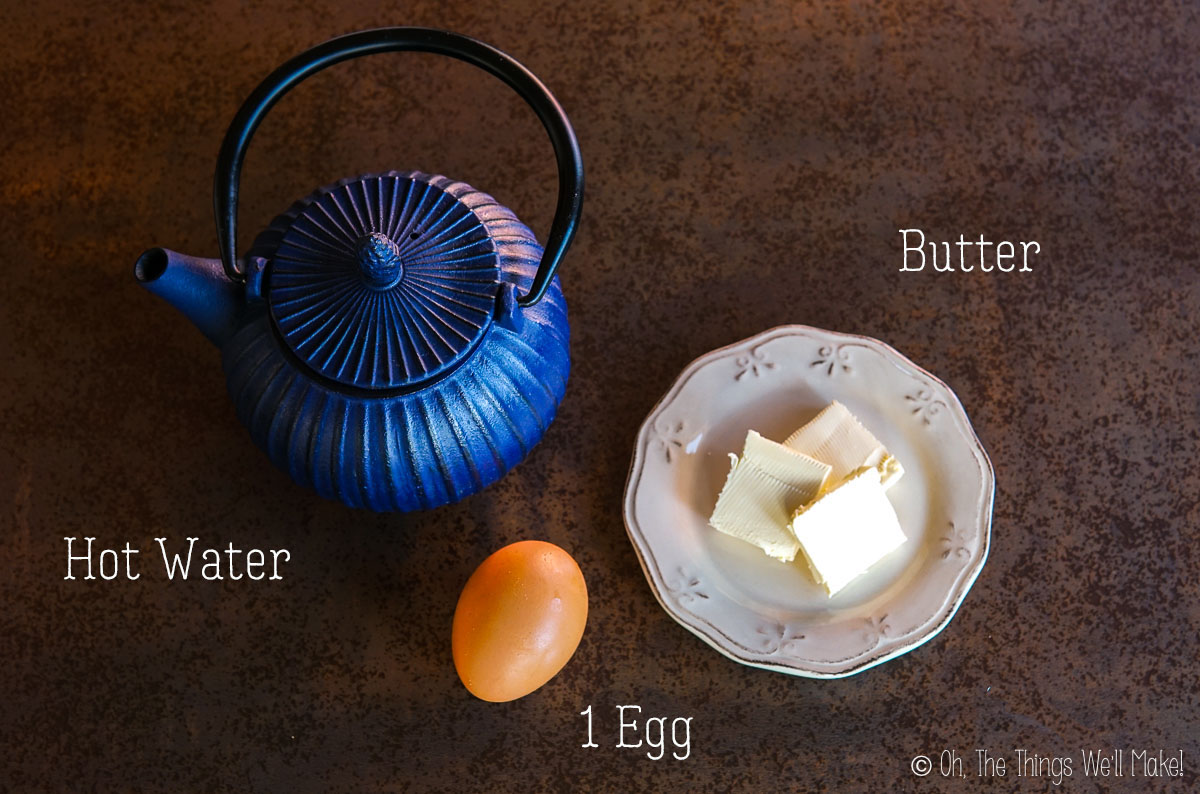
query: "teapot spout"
197, 287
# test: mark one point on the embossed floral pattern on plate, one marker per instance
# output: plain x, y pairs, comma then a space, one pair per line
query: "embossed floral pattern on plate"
753, 363
669, 438
772, 615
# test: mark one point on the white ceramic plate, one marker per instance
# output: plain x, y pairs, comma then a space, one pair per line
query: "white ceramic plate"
770, 614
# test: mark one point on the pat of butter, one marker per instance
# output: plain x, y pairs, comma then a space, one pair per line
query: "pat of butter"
847, 530
837, 438
761, 492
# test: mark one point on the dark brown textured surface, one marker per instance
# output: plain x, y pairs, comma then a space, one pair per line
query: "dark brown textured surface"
748, 165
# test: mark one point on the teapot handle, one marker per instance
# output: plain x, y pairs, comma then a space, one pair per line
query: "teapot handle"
368, 42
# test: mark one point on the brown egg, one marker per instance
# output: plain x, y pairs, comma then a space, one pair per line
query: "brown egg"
518, 621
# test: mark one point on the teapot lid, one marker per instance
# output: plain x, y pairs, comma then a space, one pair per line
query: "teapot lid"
384, 281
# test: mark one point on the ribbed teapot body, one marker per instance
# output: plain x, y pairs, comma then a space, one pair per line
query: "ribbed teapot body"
422, 446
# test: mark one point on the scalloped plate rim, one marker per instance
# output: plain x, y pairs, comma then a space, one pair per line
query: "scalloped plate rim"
868, 659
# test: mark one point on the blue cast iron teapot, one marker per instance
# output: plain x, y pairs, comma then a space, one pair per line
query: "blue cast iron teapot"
396, 341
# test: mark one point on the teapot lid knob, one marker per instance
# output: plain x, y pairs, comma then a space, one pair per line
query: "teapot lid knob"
379, 260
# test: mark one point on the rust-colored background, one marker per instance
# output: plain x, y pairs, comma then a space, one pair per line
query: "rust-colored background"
749, 165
